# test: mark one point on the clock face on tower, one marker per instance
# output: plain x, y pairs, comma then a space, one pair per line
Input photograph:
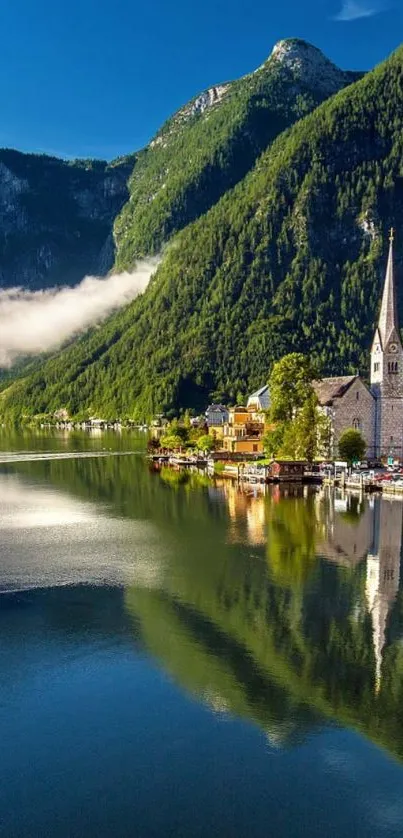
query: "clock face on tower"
393, 347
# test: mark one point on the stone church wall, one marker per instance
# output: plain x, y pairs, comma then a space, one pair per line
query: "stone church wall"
390, 419
355, 409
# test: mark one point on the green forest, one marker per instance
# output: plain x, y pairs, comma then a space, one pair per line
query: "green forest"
199, 155
290, 259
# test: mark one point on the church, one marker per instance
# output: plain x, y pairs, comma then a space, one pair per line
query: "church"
377, 410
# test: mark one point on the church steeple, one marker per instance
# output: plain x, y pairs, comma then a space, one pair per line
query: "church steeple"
388, 324
387, 370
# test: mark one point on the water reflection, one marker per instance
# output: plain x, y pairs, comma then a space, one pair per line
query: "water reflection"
50, 538
284, 608
312, 621
383, 572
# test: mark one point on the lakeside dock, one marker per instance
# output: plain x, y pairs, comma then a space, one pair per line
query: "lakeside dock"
240, 470
253, 473
367, 486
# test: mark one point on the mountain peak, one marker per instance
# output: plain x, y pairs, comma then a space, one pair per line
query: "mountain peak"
296, 48
307, 63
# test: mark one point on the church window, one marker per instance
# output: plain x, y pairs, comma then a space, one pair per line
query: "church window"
357, 395
376, 366
356, 424
392, 366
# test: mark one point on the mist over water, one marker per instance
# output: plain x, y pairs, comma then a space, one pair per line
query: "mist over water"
38, 321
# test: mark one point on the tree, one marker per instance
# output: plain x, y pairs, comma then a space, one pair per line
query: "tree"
171, 441
273, 439
352, 445
325, 436
312, 431
290, 385
206, 443
300, 430
179, 429
290, 443
307, 428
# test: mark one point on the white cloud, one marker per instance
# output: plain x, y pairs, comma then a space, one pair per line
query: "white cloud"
355, 9
37, 321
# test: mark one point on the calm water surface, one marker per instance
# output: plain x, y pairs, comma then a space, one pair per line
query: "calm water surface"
178, 659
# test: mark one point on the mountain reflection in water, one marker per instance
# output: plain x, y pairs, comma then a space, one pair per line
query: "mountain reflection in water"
283, 608
304, 625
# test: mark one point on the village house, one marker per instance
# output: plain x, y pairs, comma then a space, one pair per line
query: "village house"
243, 432
216, 417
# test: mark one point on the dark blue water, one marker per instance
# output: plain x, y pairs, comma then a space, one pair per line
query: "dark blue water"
178, 659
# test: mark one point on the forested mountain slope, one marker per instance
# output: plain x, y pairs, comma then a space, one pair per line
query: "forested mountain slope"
56, 217
291, 258
213, 141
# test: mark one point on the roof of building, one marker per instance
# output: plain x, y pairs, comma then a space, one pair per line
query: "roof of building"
260, 392
388, 323
260, 398
220, 407
328, 389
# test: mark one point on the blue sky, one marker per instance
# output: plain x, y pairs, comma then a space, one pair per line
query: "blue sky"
97, 78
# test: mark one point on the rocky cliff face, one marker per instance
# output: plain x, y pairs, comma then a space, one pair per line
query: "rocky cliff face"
309, 65
56, 218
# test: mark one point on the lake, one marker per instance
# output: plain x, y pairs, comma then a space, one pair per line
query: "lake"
182, 659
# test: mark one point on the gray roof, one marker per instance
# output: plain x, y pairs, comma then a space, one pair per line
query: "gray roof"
328, 389
261, 396
259, 392
388, 324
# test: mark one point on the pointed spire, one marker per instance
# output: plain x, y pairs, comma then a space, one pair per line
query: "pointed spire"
388, 322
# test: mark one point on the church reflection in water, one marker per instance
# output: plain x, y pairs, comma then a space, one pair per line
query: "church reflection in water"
287, 611
383, 571
359, 530
349, 530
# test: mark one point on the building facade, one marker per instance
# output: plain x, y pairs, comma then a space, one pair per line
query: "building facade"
243, 432
349, 403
